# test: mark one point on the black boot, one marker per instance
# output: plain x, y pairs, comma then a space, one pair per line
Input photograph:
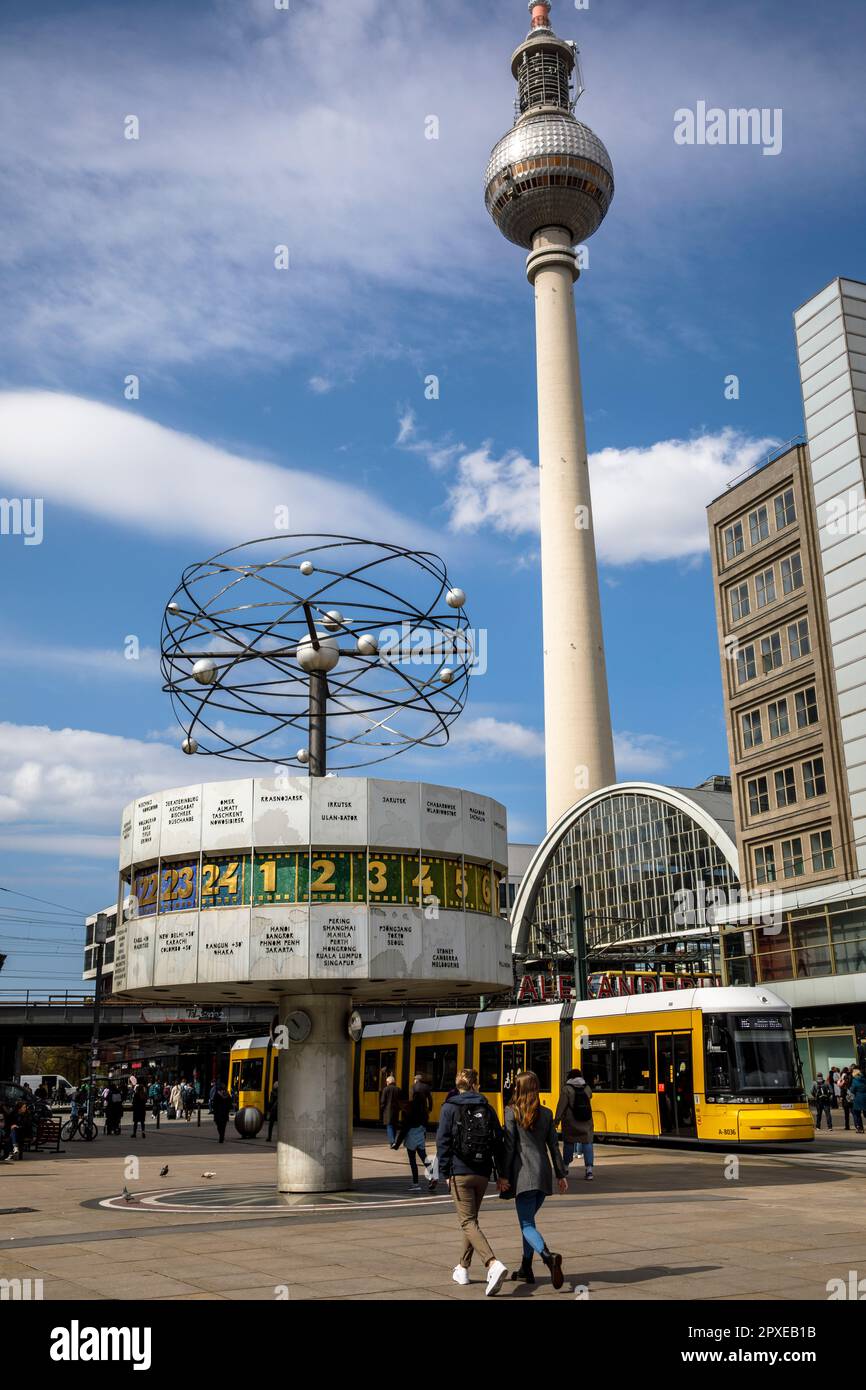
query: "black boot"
524, 1274
554, 1264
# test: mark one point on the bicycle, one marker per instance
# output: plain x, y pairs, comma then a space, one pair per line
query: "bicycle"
79, 1126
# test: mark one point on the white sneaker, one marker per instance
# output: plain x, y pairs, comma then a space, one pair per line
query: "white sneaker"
495, 1275
460, 1275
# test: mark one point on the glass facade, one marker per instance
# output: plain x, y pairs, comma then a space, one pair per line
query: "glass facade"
829, 939
633, 853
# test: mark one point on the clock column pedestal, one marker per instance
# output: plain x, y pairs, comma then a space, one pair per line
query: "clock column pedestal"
314, 1113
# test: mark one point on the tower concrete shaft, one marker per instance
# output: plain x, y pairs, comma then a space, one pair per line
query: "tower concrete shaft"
577, 727
548, 187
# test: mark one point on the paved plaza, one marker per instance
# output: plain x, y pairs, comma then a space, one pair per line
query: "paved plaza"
656, 1224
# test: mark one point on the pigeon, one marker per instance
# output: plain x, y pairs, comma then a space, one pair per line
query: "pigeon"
127, 1195
208, 1175
163, 1171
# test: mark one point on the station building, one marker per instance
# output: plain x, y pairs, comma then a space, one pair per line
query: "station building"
788, 547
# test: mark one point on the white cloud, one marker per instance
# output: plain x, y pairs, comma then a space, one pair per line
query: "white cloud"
488, 735
320, 385
649, 503
80, 778
118, 466
79, 661
637, 755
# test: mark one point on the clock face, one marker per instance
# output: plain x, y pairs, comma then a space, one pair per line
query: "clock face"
356, 1026
298, 1026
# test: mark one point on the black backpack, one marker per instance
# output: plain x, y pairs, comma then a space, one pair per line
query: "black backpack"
580, 1106
475, 1136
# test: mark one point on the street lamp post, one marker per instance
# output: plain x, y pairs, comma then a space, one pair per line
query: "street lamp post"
100, 932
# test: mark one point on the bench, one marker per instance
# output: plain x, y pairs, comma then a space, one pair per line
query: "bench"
46, 1137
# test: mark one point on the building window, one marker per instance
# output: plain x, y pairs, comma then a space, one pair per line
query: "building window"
814, 781
740, 607
734, 540
771, 652
792, 857
759, 526
786, 514
759, 797
752, 735
822, 851
778, 713
807, 707
786, 787
746, 669
792, 574
765, 587
798, 639
765, 864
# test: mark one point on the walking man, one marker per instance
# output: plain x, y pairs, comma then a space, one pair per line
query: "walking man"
222, 1104
822, 1094
574, 1115
470, 1148
273, 1111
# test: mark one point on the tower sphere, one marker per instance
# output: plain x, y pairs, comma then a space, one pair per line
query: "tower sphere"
550, 170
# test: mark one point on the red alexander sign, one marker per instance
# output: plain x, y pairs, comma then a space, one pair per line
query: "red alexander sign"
541, 989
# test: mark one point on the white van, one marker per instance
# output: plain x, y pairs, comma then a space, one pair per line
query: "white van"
52, 1082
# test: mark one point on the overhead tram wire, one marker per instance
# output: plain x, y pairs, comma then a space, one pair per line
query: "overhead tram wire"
64, 907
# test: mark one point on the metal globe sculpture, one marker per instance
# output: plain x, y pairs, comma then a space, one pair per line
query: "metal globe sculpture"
249, 1121
362, 647
550, 170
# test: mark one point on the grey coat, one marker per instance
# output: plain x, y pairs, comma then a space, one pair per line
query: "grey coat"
529, 1153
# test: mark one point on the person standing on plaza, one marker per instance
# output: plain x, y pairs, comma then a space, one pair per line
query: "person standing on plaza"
574, 1116
273, 1108
858, 1098
113, 1099
470, 1149
154, 1095
822, 1094
845, 1095
174, 1100
532, 1159
187, 1100
222, 1104
389, 1107
139, 1108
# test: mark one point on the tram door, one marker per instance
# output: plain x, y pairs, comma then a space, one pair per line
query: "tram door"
513, 1061
676, 1085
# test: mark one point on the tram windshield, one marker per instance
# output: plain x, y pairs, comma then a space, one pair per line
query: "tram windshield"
750, 1053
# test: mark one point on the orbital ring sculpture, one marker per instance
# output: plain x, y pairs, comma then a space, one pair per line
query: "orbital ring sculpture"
309, 633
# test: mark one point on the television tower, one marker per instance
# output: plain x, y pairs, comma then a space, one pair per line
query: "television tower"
549, 184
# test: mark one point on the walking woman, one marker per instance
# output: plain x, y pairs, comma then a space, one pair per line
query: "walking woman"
532, 1158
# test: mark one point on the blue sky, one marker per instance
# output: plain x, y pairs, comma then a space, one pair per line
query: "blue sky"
306, 128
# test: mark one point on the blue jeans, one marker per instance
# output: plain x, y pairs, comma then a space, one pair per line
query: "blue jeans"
392, 1133
568, 1152
528, 1204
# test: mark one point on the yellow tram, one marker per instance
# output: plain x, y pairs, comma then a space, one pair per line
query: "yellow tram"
713, 1065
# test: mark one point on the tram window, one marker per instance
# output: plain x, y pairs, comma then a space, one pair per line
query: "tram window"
634, 1063
438, 1065
596, 1063
539, 1061
251, 1074
372, 1067
235, 1073
489, 1069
